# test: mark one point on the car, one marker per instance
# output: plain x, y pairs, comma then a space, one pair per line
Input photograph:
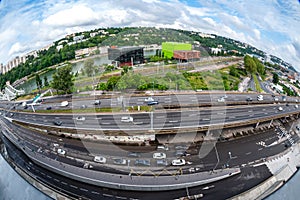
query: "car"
296, 106
134, 154
221, 99
61, 151
181, 147
87, 166
57, 123
249, 99
225, 96
142, 162
151, 103
80, 118
83, 106
162, 147
260, 97
280, 108
100, 159
64, 103
276, 99
49, 108
159, 155
97, 102
119, 161
126, 119
149, 99
180, 153
162, 162
178, 162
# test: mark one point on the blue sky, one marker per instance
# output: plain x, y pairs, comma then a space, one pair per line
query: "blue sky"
270, 25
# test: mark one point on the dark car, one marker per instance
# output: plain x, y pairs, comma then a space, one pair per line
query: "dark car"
49, 108
57, 123
249, 99
141, 162
151, 103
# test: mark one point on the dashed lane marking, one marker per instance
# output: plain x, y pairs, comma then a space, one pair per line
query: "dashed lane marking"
83, 189
73, 186
107, 195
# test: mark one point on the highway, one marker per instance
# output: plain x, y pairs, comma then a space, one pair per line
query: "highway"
209, 155
162, 119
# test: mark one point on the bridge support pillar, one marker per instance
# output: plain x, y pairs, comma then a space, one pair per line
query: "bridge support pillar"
256, 124
270, 123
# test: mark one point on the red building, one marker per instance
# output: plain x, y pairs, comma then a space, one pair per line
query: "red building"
186, 54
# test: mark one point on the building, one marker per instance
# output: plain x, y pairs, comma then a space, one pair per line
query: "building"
128, 55
186, 55
85, 52
1, 68
168, 48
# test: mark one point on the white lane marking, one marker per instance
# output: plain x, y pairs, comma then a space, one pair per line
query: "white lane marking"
73, 186
107, 195
117, 197
83, 189
250, 110
64, 183
248, 153
95, 192
260, 149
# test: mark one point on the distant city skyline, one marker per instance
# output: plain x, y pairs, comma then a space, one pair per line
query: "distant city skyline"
271, 26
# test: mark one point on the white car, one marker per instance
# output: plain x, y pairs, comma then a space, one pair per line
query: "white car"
280, 109
178, 162
149, 99
80, 118
61, 151
159, 155
221, 99
100, 159
260, 97
296, 106
64, 103
127, 119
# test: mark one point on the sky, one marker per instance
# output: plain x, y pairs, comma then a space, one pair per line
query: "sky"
269, 25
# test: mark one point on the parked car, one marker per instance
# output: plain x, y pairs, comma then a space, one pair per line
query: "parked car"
57, 122
142, 162
61, 151
178, 162
120, 161
127, 119
134, 154
159, 155
162, 162
162, 147
100, 159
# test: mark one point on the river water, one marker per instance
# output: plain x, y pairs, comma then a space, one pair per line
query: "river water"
14, 187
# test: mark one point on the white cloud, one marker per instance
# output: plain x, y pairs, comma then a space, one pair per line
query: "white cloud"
34, 25
76, 16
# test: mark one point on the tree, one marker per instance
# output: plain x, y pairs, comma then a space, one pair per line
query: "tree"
250, 64
63, 79
38, 82
89, 67
46, 83
275, 78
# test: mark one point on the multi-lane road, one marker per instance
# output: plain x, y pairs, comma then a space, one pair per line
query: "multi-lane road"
215, 157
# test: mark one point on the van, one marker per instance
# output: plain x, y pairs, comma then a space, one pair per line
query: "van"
127, 119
